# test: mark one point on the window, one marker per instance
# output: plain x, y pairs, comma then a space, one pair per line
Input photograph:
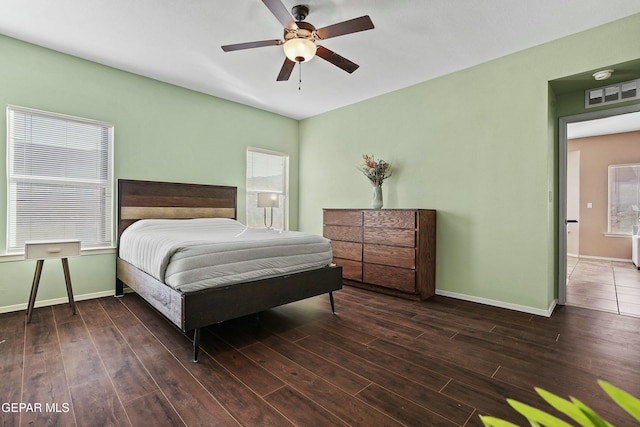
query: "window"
624, 198
267, 172
60, 179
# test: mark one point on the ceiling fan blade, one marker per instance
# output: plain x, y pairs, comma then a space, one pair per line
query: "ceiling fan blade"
281, 13
286, 70
337, 60
251, 45
346, 27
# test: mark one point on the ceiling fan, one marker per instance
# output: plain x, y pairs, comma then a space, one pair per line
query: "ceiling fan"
299, 41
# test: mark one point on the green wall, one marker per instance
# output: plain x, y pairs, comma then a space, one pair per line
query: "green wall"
477, 145
162, 132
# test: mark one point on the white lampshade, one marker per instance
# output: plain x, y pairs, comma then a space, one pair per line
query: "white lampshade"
268, 200
299, 50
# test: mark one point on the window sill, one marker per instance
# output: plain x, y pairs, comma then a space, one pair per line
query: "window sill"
20, 256
616, 235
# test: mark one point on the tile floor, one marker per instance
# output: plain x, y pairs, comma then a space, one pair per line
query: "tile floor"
604, 285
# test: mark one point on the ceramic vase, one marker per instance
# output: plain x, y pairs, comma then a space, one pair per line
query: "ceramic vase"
376, 197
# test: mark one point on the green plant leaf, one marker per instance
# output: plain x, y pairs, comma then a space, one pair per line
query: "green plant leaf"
596, 419
566, 407
495, 422
537, 415
626, 401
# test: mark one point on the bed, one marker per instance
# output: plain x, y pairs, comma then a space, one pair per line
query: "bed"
192, 308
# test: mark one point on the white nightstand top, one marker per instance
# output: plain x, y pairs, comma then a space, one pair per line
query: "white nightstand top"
50, 249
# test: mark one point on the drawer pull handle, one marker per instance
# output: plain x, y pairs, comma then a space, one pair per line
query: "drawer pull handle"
53, 250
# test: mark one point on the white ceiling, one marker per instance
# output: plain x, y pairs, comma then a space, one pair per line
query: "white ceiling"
606, 126
178, 41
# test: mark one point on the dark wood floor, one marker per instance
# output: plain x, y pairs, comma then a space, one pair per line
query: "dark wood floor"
381, 361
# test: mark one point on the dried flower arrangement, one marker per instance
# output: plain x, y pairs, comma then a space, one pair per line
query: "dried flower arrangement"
377, 172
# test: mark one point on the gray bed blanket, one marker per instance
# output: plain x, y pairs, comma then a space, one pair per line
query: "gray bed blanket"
195, 254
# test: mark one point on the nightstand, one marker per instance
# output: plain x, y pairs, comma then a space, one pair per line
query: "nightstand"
42, 250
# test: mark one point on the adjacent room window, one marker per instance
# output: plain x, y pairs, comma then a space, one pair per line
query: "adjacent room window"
624, 198
60, 179
267, 172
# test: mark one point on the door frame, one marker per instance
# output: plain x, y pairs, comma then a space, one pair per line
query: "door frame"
562, 184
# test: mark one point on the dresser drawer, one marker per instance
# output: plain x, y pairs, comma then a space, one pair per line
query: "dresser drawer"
351, 270
390, 219
390, 236
385, 250
51, 249
390, 255
342, 217
390, 277
347, 250
339, 232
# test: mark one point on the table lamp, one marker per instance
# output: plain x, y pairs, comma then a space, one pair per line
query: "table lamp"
268, 200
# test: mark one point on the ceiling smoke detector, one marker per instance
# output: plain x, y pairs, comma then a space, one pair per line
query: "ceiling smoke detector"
602, 74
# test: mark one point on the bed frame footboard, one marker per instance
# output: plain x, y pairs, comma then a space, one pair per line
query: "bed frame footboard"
210, 306
194, 310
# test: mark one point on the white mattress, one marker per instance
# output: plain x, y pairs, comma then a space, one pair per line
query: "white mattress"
195, 254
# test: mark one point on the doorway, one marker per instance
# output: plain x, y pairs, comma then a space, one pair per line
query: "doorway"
594, 276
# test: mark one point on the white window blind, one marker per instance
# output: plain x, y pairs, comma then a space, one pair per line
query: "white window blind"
60, 179
267, 172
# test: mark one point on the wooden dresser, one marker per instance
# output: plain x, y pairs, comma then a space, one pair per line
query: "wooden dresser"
387, 250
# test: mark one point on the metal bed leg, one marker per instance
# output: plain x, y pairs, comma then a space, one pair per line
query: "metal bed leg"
196, 344
333, 306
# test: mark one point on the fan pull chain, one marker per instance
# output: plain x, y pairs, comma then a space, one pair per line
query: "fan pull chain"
299, 75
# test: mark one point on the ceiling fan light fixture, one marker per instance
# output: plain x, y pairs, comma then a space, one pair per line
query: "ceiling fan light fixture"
299, 50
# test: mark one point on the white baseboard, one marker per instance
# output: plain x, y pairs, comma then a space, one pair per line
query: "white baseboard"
464, 297
56, 301
501, 304
604, 258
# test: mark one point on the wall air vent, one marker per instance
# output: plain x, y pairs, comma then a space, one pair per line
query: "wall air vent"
619, 92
